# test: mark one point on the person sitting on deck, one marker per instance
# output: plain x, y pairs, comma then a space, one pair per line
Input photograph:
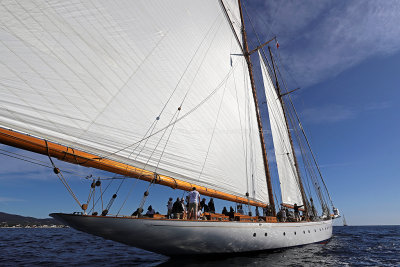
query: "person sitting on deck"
177, 209
194, 200
136, 213
169, 208
150, 211
296, 212
211, 207
225, 211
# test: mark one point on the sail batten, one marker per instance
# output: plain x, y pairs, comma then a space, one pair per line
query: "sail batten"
108, 78
284, 153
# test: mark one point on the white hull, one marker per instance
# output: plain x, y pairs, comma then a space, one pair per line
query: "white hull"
174, 237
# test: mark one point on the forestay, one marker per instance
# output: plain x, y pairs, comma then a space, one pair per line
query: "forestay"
290, 187
96, 75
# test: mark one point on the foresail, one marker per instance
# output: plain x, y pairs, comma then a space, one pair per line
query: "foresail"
290, 187
159, 85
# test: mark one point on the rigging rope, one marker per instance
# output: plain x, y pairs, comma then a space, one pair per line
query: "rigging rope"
281, 139
175, 117
177, 85
189, 89
101, 195
242, 134
40, 162
268, 70
320, 196
295, 128
91, 196
11, 156
308, 144
304, 158
61, 177
181, 118
212, 134
249, 136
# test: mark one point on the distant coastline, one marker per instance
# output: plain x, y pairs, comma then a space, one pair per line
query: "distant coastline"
17, 221
34, 226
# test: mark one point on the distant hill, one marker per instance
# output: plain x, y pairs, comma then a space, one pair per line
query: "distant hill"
13, 219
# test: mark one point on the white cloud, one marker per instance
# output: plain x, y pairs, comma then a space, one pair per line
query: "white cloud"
328, 113
334, 165
379, 106
9, 199
320, 39
335, 113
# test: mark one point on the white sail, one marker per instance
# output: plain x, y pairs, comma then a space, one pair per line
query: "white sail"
95, 75
290, 188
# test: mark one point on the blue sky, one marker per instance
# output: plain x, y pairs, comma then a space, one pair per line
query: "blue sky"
345, 56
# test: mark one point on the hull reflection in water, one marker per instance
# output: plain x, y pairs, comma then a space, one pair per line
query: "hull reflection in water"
176, 237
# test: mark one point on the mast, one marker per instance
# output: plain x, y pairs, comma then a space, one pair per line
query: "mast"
303, 194
260, 129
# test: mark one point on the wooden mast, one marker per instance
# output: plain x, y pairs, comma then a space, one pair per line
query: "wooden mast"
260, 128
79, 157
303, 194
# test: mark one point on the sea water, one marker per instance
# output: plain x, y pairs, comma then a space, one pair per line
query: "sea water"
349, 246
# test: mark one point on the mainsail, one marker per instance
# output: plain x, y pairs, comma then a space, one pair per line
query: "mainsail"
158, 85
289, 180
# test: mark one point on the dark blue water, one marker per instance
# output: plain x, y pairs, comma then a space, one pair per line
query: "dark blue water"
350, 246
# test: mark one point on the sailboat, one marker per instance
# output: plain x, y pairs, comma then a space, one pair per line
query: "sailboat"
164, 92
344, 221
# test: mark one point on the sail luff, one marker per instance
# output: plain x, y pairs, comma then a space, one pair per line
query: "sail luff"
67, 154
259, 123
296, 163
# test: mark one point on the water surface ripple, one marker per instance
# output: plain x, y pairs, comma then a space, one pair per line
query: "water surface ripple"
350, 246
